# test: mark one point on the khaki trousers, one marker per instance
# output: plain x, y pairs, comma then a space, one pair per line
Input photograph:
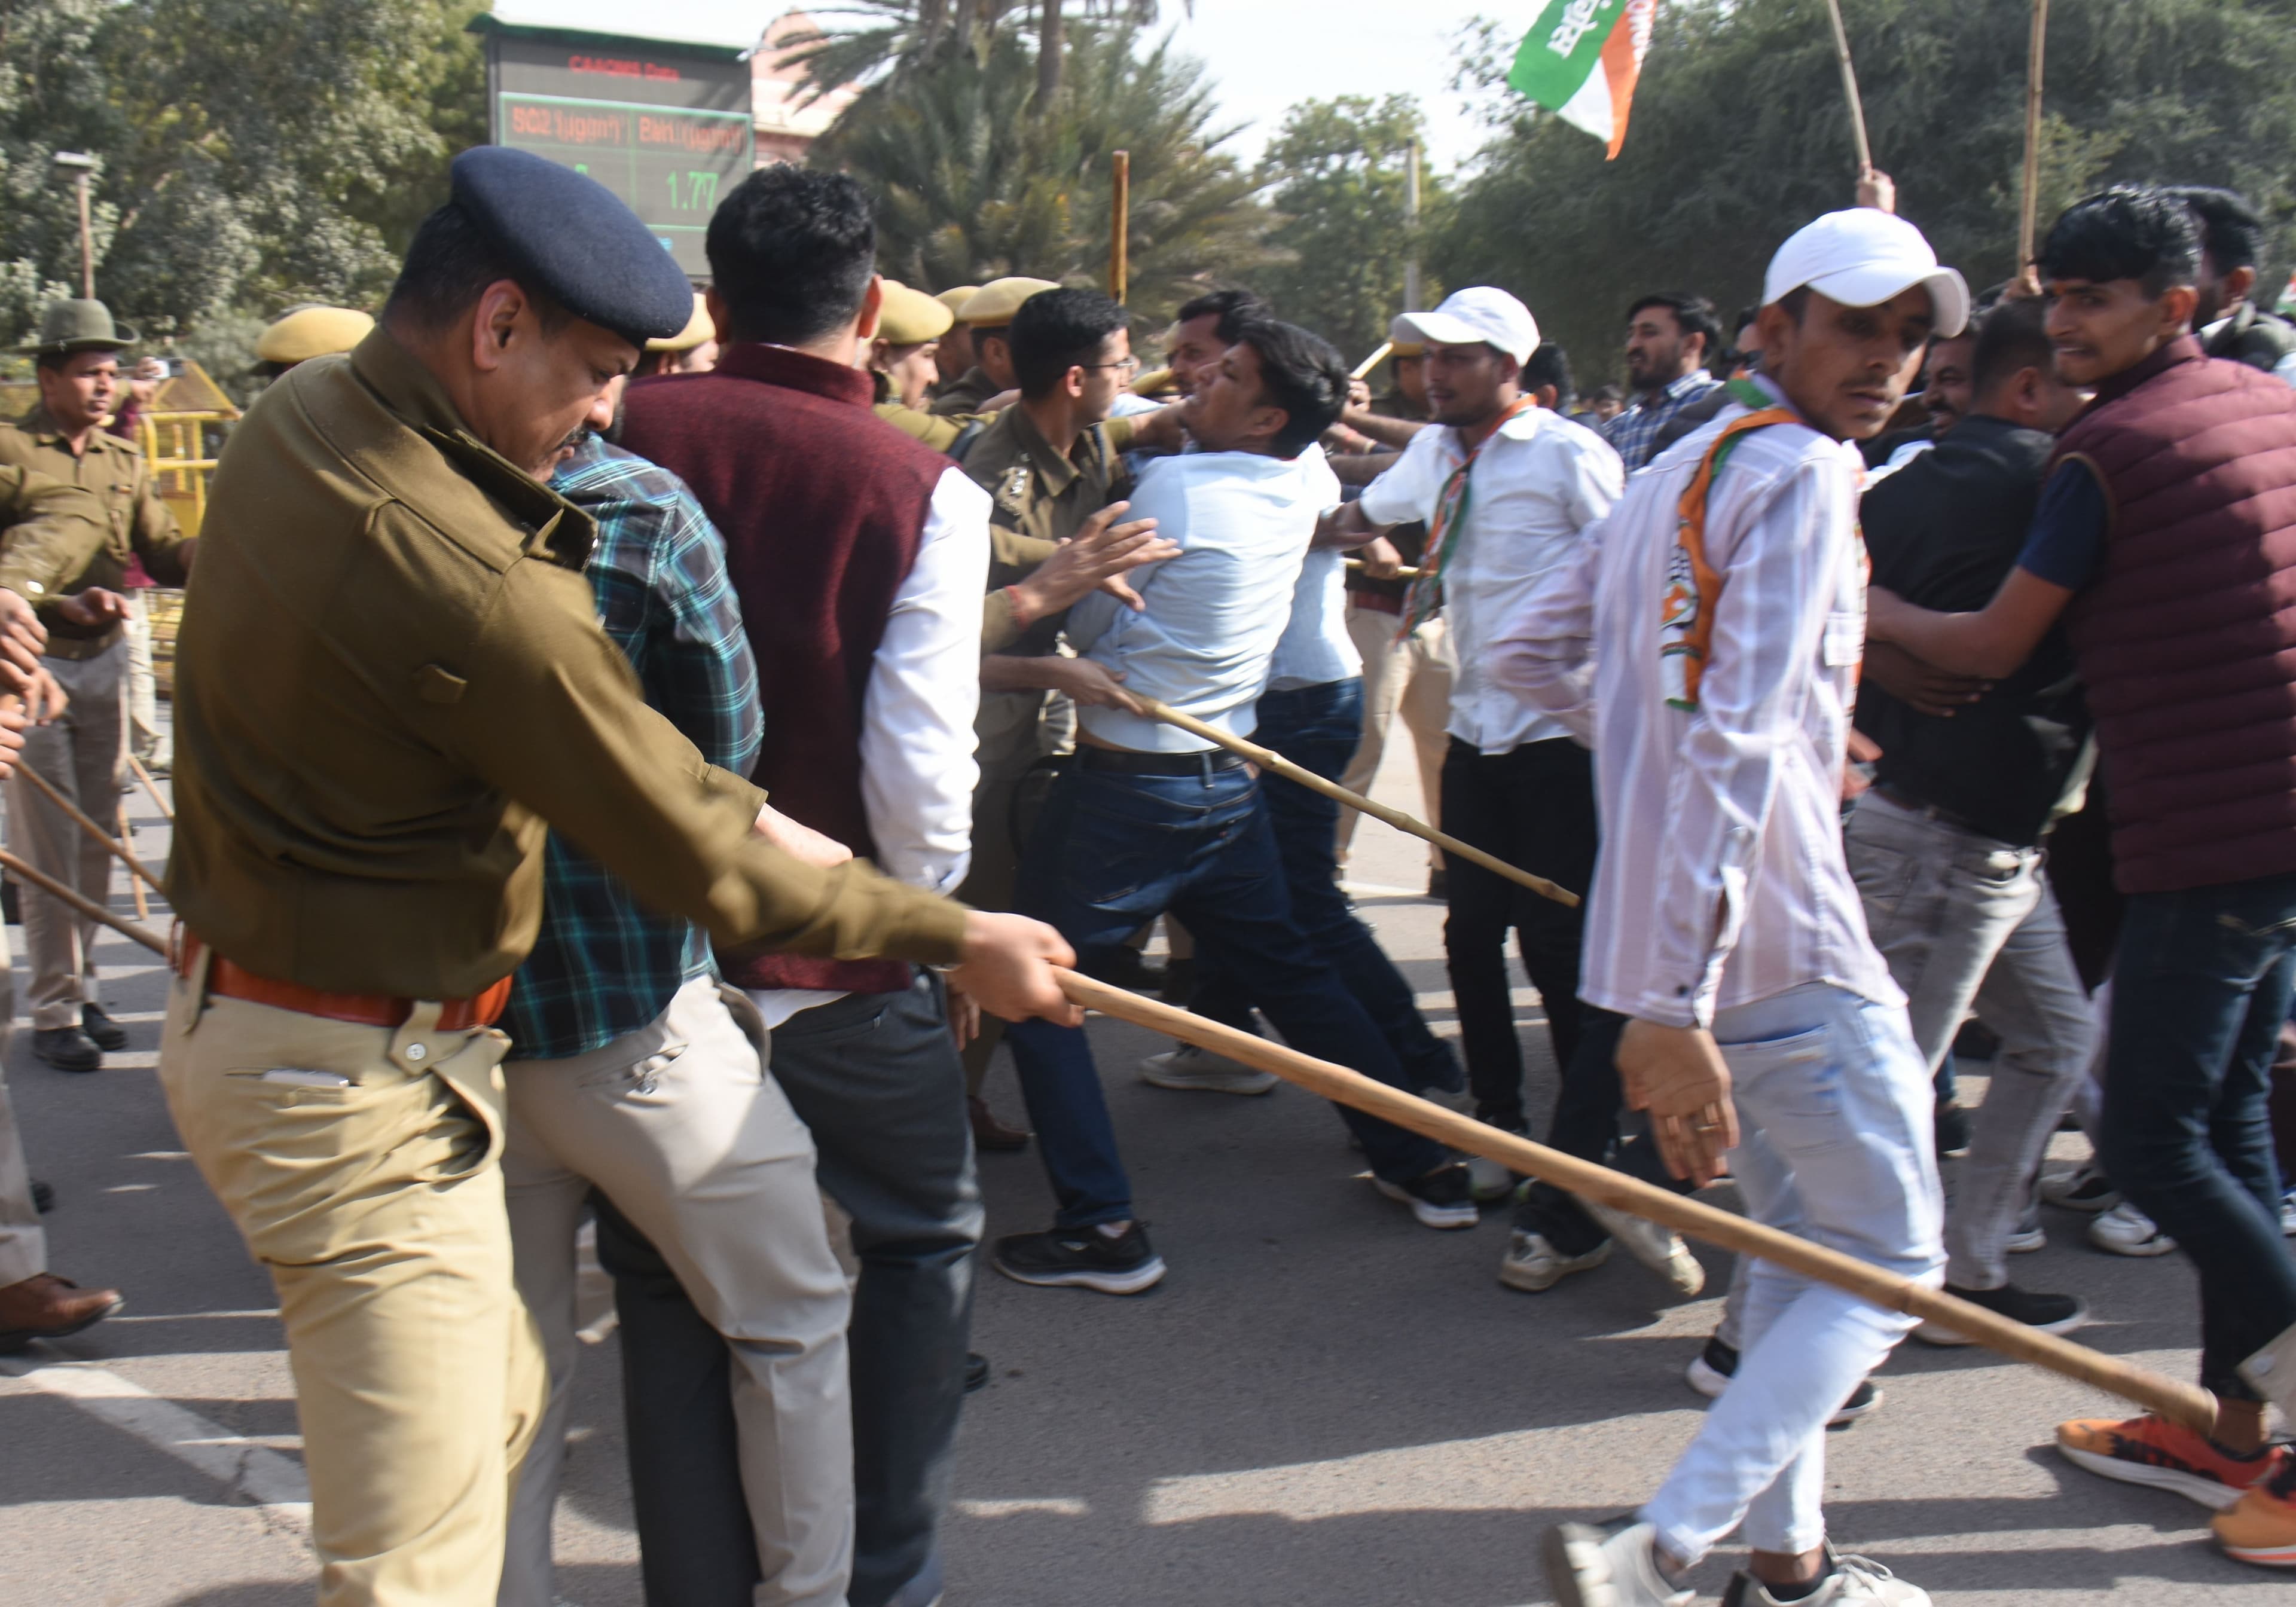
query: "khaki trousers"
1412, 679
376, 1204
23, 1243
144, 734
82, 754
679, 1125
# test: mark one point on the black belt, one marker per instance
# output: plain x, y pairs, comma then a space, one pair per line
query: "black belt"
1206, 763
1901, 798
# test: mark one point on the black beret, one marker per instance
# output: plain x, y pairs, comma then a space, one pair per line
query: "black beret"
573, 240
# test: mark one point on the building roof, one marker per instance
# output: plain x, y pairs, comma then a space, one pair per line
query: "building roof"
776, 88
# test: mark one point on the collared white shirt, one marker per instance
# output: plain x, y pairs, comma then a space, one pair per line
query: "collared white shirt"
1534, 489
917, 768
1213, 614
1721, 879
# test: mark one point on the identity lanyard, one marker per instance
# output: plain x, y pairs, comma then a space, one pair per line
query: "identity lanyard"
1425, 595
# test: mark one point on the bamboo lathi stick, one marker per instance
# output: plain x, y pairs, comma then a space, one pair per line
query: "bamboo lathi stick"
1276, 764
1373, 361
86, 906
1402, 572
2181, 1402
1849, 87
134, 884
152, 788
126, 853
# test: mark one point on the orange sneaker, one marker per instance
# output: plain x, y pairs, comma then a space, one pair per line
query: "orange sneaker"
2261, 1527
2151, 1450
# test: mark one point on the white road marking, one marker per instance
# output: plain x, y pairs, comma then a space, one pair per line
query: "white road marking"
250, 1471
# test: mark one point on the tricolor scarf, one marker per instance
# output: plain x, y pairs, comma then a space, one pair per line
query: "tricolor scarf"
1693, 589
1426, 593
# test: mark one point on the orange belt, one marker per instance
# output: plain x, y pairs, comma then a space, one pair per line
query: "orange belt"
361, 1009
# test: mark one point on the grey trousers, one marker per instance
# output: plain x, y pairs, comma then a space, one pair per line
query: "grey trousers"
23, 1243
82, 754
877, 1079
681, 1128
1968, 925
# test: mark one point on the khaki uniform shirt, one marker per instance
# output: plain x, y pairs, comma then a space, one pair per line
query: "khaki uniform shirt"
49, 532
940, 432
1041, 499
139, 523
969, 392
391, 676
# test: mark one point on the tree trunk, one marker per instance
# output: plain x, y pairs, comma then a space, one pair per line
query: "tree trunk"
1052, 46
933, 17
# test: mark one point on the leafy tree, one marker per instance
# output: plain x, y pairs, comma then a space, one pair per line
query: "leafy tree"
1338, 172
970, 186
1739, 135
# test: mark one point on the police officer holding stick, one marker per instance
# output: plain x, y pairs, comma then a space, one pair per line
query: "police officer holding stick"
391, 682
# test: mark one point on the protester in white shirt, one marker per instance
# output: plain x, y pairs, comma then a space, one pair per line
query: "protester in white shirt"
1506, 490
1151, 819
1712, 658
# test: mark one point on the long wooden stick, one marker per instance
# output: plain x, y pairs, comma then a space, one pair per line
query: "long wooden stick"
1276, 764
152, 788
134, 884
126, 853
2029, 221
1402, 572
86, 906
1373, 361
1849, 87
1120, 224
2183, 1403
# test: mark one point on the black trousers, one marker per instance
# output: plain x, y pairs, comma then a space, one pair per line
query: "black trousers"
1534, 807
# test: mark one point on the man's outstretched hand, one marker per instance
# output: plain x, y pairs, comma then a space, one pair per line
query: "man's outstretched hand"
1096, 559
1678, 1075
1008, 969
22, 639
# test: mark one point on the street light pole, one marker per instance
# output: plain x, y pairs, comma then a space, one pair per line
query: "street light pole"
81, 167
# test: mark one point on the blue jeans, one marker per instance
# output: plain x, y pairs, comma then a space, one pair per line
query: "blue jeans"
1113, 850
1317, 728
2199, 992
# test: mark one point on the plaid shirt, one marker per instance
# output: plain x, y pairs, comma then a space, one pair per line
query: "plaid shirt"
604, 965
1634, 432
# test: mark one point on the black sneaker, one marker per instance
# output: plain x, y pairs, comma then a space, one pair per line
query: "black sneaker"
102, 1030
1444, 1197
1711, 1370
1952, 1129
66, 1048
1438, 885
2049, 1313
44, 1197
1081, 1258
976, 1372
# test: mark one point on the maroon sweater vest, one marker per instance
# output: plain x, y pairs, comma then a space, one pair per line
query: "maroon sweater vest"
823, 507
2187, 638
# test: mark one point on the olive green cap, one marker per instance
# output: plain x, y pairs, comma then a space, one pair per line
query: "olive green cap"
993, 305
78, 325
911, 317
954, 298
698, 329
312, 331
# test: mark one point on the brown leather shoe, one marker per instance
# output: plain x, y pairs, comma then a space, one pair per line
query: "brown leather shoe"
48, 1307
990, 1134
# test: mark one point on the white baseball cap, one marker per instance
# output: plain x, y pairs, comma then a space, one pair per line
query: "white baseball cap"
1863, 257
1478, 313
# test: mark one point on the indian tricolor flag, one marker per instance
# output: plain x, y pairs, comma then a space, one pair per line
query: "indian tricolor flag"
1580, 61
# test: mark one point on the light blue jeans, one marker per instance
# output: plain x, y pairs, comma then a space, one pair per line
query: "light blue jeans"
1834, 1107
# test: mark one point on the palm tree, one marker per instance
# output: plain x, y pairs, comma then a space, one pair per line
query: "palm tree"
876, 38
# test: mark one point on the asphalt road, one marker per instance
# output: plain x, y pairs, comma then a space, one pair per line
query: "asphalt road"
1324, 1405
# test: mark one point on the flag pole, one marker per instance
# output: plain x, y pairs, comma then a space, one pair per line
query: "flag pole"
1119, 223
1849, 87
2027, 222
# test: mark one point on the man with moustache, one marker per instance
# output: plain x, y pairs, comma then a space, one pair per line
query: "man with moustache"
1670, 337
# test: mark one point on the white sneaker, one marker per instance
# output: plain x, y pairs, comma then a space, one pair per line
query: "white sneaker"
1490, 1179
1658, 1248
1195, 1070
1532, 1265
2028, 1235
1614, 1565
2126, 1231
1854, 1580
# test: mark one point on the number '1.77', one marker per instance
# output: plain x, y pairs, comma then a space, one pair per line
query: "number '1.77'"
691, 192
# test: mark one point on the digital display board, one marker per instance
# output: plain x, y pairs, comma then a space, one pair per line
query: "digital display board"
667, 130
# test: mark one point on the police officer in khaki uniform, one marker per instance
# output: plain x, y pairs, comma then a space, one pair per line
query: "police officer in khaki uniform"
987, 316
84, 752
903, 359
391, 684
48, 532
311, 331
956, 345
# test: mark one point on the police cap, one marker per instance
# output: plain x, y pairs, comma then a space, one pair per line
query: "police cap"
911, 317
954, 298
311, 331
700, 328
993, 305
569, 237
